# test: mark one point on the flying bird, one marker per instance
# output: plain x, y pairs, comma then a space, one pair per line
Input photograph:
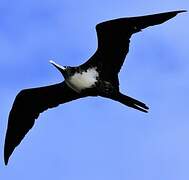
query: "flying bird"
98, 76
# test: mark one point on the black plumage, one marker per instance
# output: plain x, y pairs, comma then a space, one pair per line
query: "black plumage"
103, 68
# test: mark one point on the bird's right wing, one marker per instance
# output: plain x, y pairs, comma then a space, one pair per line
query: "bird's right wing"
28, 104
114, 37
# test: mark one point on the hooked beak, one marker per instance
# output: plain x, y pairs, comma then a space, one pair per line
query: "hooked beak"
59, 67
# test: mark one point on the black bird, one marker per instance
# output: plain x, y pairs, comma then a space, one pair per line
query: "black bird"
96, 77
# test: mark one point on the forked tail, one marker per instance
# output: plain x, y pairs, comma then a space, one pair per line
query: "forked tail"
131, 102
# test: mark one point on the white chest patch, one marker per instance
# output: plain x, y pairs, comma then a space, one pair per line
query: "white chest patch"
80, 81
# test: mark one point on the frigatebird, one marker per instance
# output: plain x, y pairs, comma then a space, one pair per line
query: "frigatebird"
96, 77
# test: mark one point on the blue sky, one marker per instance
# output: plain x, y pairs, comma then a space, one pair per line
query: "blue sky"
95, 138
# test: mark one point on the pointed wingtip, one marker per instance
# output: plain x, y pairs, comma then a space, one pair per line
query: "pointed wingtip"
7, 152
6, 158
6, 162
180, 11
9, 147
171, 14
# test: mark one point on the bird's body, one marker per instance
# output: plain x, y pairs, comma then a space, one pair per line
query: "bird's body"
98, 76
83, 80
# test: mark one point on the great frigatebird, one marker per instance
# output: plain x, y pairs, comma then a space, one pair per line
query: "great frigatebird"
96, 77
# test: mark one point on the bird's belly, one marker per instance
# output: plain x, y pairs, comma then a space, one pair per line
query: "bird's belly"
84, 80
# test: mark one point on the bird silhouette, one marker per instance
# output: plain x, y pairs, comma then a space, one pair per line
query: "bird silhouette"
98, 76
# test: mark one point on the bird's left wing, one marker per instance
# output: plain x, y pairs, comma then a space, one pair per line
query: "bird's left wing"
28, 104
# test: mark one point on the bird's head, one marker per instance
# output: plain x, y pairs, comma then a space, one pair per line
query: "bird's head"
63, 69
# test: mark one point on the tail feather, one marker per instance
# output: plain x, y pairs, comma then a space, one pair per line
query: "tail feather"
131, 102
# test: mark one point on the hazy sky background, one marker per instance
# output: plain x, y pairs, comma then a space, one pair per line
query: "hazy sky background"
96, 138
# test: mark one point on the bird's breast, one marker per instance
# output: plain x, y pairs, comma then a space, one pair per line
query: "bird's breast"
82, 80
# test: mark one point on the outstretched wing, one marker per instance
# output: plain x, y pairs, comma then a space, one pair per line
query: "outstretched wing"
26, 108
113, 38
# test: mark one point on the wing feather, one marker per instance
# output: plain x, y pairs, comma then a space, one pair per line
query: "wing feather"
28, 104
114, 37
